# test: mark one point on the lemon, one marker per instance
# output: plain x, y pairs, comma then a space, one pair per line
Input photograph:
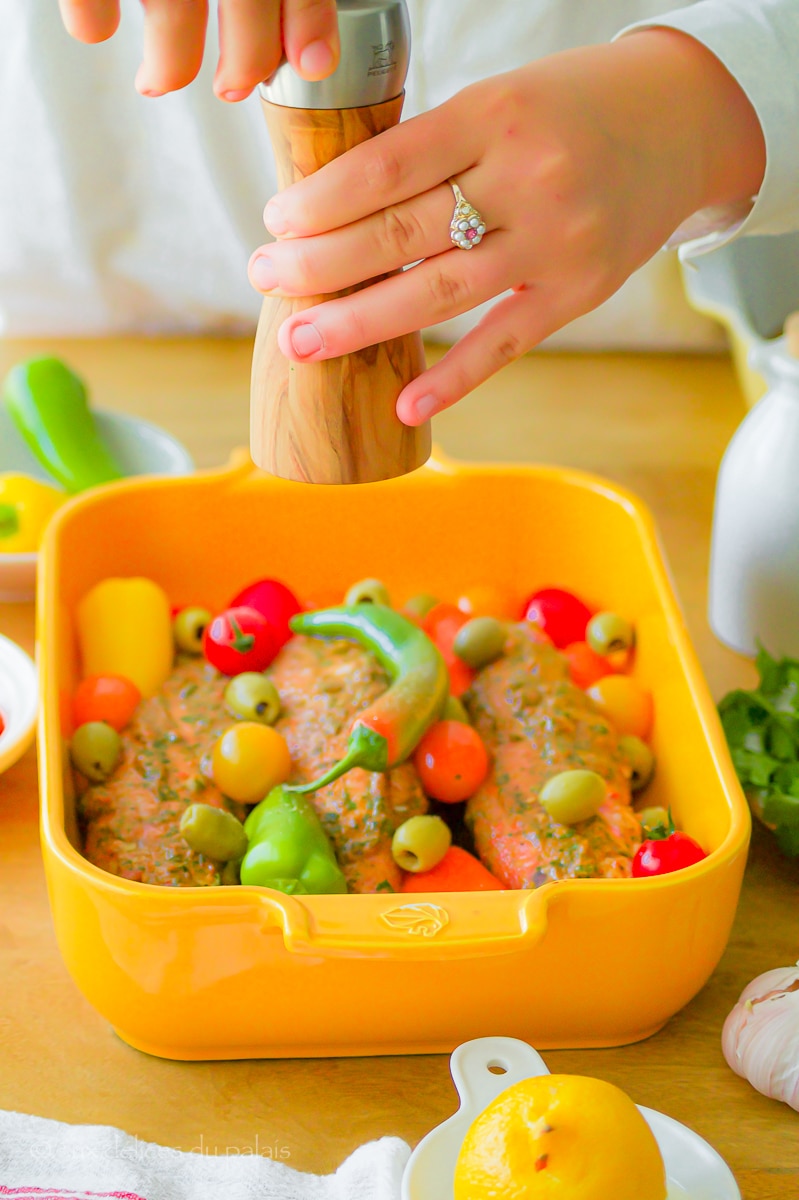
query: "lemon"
560, 1137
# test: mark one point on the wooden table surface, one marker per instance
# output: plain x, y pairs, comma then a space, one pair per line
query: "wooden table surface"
657, 424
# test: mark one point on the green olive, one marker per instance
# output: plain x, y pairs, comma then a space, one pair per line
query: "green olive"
607, 632
252, 697
573, 796
419, 606
641, 758
188, 628
420, 843
95, 750
454, 710
368, 591
229, 875
214, 832
654, 820
480, 641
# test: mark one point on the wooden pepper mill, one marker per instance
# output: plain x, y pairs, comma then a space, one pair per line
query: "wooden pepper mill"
335, 421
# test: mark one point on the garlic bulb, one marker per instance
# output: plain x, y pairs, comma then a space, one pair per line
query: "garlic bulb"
760, 1039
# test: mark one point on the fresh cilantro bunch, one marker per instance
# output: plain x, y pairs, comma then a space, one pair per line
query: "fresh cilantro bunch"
762, 729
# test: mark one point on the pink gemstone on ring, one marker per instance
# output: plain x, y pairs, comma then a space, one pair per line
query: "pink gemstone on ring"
467, 226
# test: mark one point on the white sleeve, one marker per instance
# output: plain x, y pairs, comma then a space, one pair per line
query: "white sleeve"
758, 43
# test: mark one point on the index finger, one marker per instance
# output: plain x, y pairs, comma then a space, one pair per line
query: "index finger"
393, 166
90, 20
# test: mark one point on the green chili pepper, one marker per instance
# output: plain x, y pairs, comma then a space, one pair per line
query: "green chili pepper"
387, 732
288, 848
49, 406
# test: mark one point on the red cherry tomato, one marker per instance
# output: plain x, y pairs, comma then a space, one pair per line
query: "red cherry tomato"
240, 639
273, 600
109, 698
661, 856
451, 761
586, 667
560, 614
2, 725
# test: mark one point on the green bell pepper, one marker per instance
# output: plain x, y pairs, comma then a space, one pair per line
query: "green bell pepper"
49, 406
288, 848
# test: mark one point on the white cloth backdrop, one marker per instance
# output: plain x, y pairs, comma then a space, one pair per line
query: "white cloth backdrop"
119, 213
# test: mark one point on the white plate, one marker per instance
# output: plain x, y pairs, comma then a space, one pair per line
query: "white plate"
139, 447
693, 1168
18, 700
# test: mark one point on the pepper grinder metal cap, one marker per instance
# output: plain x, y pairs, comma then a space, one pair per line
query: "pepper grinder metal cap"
375, 51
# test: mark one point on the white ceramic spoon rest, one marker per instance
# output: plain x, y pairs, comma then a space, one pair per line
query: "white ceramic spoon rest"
693, 1168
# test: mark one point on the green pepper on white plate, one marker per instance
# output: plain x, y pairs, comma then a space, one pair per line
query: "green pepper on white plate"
18, 702
49, 434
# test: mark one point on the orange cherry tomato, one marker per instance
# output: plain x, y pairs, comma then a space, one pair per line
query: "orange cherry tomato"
460, 674
451, 761
585, 665
441, 624
620, 661
109, 698
625, 703
484, 600
458, 871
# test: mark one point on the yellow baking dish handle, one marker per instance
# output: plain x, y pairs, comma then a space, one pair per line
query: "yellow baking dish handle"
443, 925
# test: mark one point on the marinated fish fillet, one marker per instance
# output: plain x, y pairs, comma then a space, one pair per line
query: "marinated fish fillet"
323, 685
131, 822
535, 723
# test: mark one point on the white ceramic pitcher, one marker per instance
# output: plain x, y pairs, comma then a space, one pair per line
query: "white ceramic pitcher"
754, 563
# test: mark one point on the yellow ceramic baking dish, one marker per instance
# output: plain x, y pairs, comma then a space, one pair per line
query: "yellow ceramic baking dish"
201, 973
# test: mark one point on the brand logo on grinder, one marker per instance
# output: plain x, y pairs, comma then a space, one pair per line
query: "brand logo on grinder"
383, 59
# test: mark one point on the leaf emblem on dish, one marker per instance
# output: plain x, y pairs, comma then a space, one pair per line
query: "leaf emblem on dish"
424, 919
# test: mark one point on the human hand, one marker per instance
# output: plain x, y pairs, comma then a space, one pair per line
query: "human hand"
582, 165
249, 36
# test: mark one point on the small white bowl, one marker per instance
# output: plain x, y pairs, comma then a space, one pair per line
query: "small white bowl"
140, 449
18, 702
693, 1168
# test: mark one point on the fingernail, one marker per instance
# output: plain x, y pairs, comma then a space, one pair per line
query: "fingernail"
316, 60
142, 86
305, 340
234, 95
426, 406
274, 220
263, 274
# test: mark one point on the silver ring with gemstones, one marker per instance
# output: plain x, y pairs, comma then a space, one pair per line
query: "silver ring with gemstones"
467, 226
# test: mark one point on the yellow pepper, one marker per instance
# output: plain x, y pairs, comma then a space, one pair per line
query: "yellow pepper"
26, 505
125, 628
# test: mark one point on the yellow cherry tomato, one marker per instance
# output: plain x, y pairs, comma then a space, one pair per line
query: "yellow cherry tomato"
248, 760
625, 703
26, 505
485, 600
